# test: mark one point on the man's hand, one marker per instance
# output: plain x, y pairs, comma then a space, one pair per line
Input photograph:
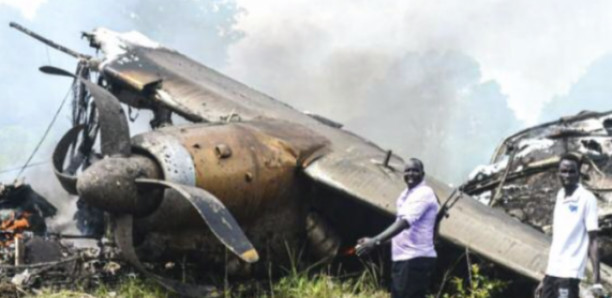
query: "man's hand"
364, 246
538, 291
597, 290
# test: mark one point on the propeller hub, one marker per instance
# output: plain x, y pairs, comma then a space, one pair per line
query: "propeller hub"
109, 185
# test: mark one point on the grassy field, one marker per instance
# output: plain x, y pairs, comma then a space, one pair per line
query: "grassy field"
293, 285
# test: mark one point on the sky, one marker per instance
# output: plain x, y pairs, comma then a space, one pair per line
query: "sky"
442, 80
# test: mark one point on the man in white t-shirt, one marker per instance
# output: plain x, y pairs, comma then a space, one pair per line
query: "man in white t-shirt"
575, 226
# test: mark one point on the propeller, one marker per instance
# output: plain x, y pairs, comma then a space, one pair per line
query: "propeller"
67, 181
214, 213
122, 184
114, 129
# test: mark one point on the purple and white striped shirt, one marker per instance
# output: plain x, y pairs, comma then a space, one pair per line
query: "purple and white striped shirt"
419, 207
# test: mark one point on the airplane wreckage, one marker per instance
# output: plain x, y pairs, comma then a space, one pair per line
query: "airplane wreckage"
251, 175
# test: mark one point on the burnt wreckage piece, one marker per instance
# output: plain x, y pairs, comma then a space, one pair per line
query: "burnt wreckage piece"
21, 208
522, 177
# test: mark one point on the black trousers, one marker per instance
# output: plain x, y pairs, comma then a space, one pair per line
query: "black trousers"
411, 278
556, 287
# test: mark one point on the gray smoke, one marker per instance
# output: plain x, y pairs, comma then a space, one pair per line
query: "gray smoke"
592, 92
430, 105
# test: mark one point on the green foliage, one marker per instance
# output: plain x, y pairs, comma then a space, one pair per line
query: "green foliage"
479, 286
300, 281
322, 284
297, 283
135, 288
130, 287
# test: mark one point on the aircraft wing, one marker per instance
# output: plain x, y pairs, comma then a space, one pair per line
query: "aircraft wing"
488, 232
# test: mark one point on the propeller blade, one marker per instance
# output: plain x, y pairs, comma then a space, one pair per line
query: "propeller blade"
219, 219
114, 130
52, 70
124, 239
67, 181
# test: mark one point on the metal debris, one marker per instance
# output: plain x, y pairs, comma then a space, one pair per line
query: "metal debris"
522, 179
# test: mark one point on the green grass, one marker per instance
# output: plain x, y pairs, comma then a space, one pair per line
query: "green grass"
320, 284
128, 287
298, 280
298, 284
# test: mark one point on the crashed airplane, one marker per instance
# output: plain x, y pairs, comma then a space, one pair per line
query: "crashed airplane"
249, 174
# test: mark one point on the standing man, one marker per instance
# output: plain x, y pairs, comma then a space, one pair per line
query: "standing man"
412, 247
574, 235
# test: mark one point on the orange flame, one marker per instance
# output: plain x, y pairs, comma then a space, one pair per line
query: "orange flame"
348, 251
16, 226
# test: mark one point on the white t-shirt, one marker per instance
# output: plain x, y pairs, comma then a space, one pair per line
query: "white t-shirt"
573, 217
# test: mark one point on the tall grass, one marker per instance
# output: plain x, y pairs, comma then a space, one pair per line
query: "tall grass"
322, 284
132, 287
299, 279
317, 280
295, 284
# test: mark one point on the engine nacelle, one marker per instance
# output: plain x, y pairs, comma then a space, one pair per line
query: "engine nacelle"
249, 166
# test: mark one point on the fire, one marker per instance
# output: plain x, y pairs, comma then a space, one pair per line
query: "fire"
347, 251
13, 227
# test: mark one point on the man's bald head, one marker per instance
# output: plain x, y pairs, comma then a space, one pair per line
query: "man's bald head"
414, 171
416, 162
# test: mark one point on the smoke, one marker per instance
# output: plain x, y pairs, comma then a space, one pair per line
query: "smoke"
430, 103
28, 8
592, 92
442, 81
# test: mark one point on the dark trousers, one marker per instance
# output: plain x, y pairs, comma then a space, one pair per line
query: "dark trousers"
556, 287
410, 278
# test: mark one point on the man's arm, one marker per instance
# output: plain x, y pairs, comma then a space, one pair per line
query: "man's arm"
366, 245
594, 255
591, 221
407, 214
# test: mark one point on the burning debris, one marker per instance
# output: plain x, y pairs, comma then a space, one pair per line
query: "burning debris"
48, 263
522, 179
32, 258
21, 210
